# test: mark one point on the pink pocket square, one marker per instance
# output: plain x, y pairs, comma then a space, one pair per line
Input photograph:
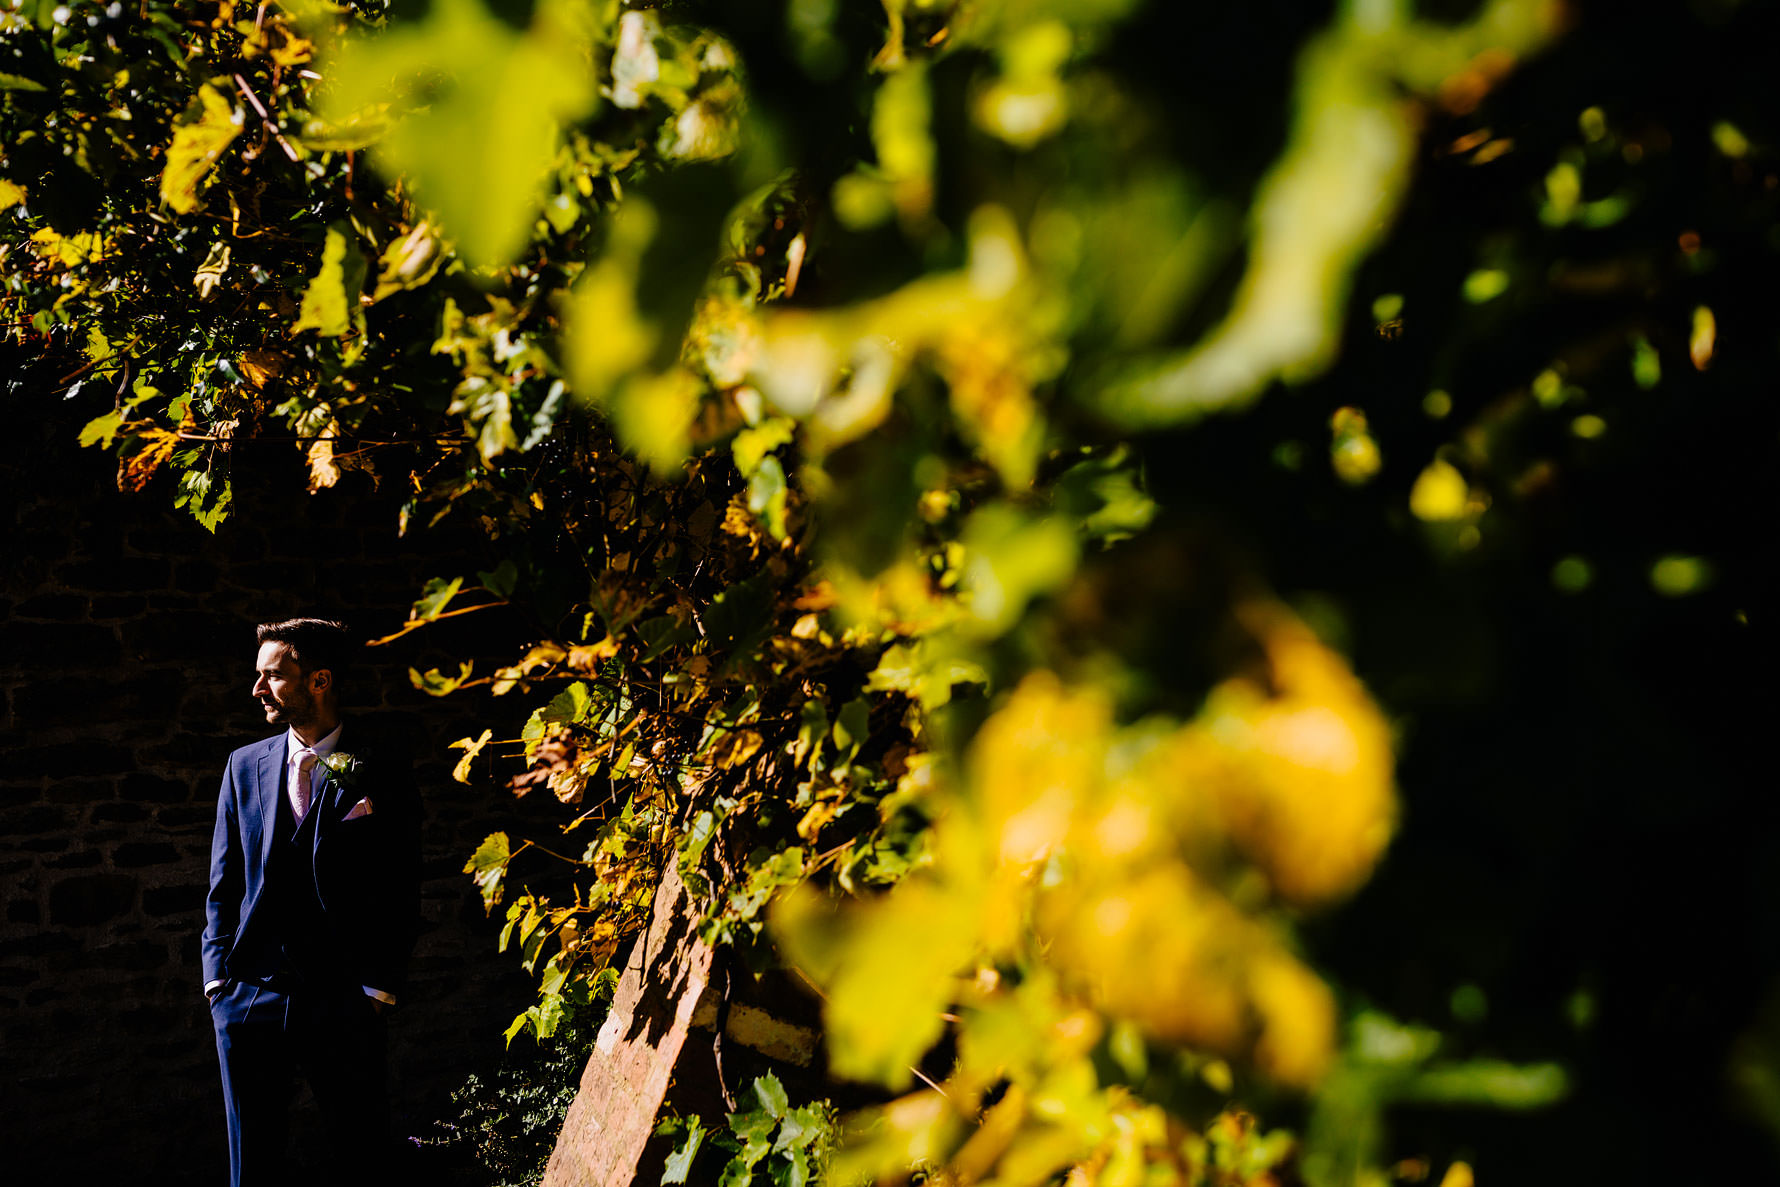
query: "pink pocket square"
362, 808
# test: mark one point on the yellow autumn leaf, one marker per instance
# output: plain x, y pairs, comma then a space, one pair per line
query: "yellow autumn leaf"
323, 470
1295, 770
471, 748
1163, 949
259, 367
199, 138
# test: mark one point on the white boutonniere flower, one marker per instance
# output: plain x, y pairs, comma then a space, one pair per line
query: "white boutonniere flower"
342, 768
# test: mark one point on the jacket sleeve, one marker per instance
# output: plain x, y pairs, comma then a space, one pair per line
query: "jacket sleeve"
223, 907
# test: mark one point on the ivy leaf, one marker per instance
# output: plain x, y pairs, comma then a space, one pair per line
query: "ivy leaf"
433, 598
487, 409
331, 302
767, 494
570, 705
207, 499
409, 262
487, 866
471, 748
200, 135
771, 1094
679, 1163
101, 430
754, 1128
501, 580
793, 1170
435, 683
800, 1127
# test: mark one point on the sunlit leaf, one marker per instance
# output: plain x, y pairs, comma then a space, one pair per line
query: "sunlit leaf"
471, 748
472, 88
200, 135
679, 1162
331, 302
488, 866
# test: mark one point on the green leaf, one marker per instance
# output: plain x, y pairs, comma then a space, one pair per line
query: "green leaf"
1104, 496
851, 728
548, 1014
570, 705
812, 728
501, 580
927, 669
409, 262
771, 1094
793, 1170
766, 496
487, 866
101, 430
207, 499
1013, 558
800, 1127
660, 633
753, 444
433, 598
754, 1128
331, 302
435, 683
200, 135
679, 1163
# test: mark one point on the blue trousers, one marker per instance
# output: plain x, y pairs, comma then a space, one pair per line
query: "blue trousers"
333, 1038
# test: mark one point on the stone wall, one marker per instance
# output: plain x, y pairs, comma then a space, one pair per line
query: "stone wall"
126, 654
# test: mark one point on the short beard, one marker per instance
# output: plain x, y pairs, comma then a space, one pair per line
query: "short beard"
293, 713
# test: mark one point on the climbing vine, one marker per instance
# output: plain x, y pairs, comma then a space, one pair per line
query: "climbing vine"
806, 366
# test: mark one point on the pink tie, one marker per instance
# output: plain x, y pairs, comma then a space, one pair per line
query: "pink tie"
299, 788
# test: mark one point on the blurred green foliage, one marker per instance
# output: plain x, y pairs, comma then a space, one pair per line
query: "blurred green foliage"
866, 401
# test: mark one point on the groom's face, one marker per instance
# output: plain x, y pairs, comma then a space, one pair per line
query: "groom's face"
282, 688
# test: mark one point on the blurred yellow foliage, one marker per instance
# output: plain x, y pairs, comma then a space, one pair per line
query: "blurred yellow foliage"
1086, 875
983, 328
1298, 763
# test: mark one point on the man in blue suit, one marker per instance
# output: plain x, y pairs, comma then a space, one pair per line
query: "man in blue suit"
313, 907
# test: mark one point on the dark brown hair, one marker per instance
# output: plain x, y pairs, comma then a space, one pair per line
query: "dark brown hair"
315, 643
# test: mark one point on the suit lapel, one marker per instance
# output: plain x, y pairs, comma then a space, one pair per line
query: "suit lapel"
271, 786
328, 801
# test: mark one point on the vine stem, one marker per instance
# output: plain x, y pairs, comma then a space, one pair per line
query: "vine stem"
420, 622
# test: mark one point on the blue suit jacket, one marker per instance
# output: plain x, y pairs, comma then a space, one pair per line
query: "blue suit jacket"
367, 870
